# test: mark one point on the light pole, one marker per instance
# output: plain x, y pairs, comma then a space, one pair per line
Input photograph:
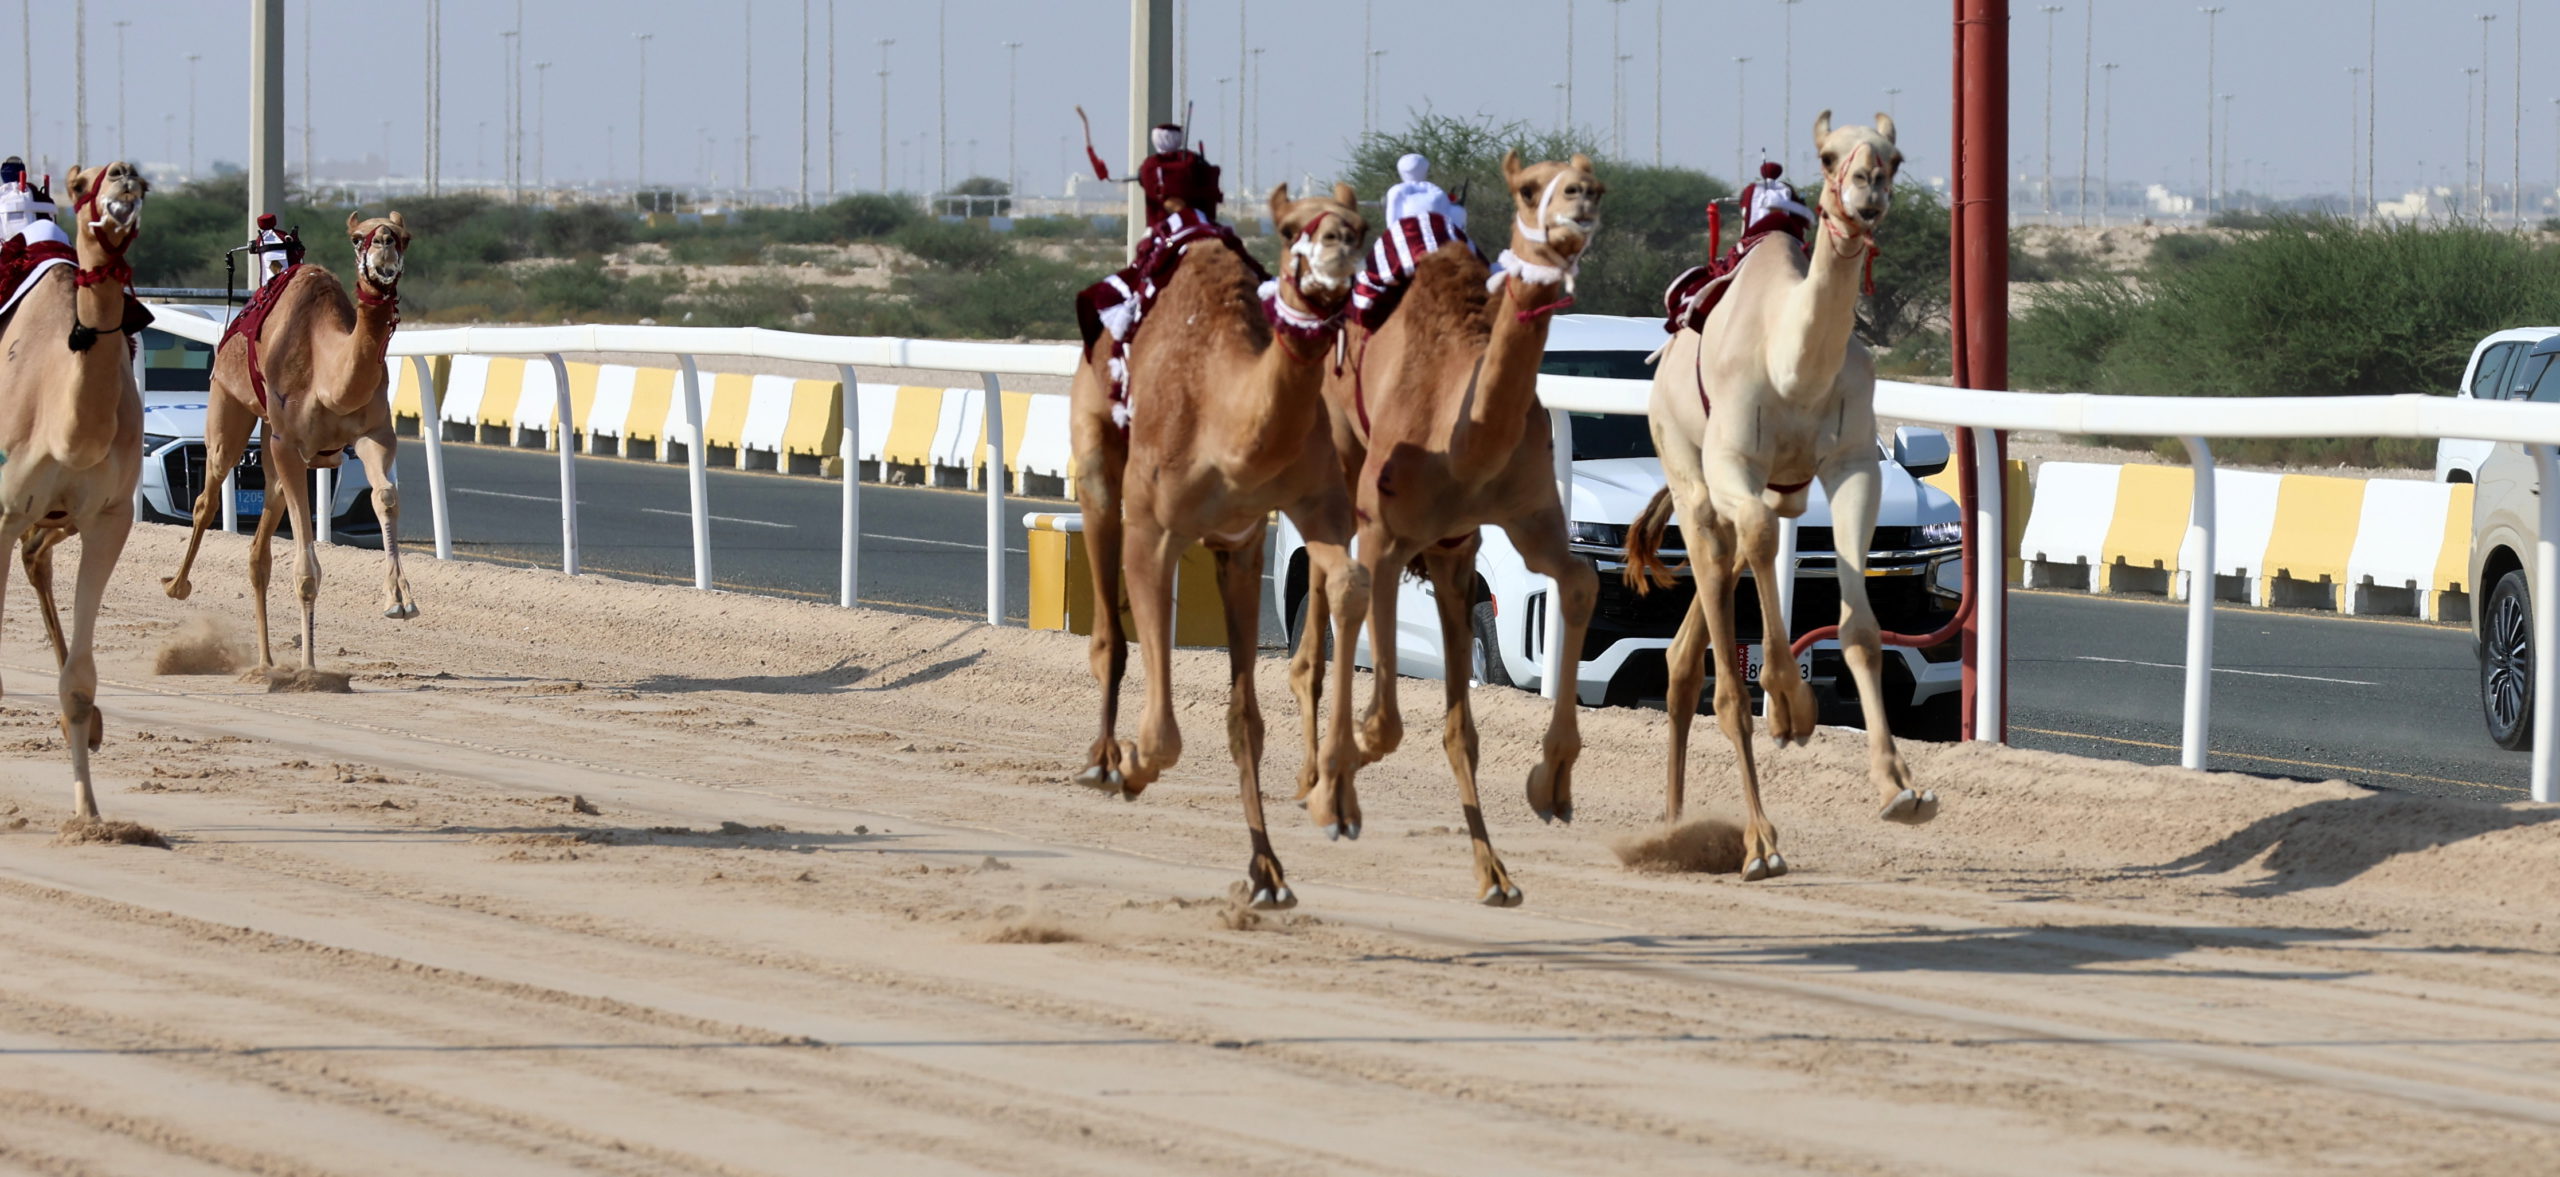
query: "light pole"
640, 136
2485, 19
1657, 83
1368, 92
80, 82
2355, 124
1741, 136
1617, 82
515, 115
2212, 190
507, 112
2470, 74
306, 94
942, 92
1253, 164
2226, 138
831, 101
2516, 177
885, 43
1569, 22
1787, 102
192, 59
2373, 82
1377, 69
2107, 148
27, 75
1012, 116
541, 123
804, 103
747, 102
2050, 11
2088, 54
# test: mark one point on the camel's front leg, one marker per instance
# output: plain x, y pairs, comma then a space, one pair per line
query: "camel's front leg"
226, 437
1306, 669
1452, 572
1710, 545
378, 452
1540, 538
1102, 454
1150, 557
1382, 726
1852, 482
1792, 712
1715, 578
262, 561
102, 539
1240, 589
36, 552
1338, 590
285, 472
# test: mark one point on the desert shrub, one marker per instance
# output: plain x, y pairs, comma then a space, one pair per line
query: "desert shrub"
867, 216
1910, 268
2183, 249
952, 245
1044, 228
2060, 262
583, 230
1018, 296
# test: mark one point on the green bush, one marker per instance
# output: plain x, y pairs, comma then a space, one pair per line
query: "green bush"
1910, 269
1052, 228
867, 216
952, 245
2183, 249
584, 230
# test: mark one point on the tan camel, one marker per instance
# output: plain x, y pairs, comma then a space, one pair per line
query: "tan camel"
71, 427
1792, 394
325, 387
1438, 422
1227, 424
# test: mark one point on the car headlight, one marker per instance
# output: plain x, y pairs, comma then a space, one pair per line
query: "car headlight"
1598, 535
1936, 535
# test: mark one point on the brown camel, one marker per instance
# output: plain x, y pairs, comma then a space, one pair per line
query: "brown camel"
71, 427
1437, 419
1227, 423
324, 388
1793, 399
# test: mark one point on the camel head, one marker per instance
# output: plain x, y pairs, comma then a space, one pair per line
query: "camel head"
106, 206
1555, 205
382, 244
1325, 235
1858, 166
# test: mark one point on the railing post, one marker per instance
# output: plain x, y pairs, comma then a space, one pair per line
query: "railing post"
1560, 431
696, 473
431, 431
1785, 565
1990, 578
2200, 590
324, 498
2546, 628
849, 562
564, 431
231, 499
995, 497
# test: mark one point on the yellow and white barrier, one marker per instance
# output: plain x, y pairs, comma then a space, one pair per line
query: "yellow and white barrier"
1062, 585
2350, 544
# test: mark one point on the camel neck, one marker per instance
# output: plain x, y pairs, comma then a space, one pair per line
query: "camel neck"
1822, 313
1279, 398
1505, 383
354, 375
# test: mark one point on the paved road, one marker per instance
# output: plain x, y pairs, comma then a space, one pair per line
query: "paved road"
2385, 703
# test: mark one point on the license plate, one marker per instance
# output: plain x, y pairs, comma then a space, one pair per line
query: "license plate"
251, 501
1752, 661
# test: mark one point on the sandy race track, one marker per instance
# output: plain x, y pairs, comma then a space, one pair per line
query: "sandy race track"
597, 876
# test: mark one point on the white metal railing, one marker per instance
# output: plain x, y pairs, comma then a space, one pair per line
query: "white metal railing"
2190, 419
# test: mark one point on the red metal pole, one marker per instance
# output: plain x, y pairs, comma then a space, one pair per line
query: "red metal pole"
1979, 265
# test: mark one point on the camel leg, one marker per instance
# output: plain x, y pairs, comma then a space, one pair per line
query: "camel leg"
102, 539
1151, 556
1240, 589
1791, 706
1715, 578
1306, 671
1452, 572
306, 571
1710, 545
1102, 455
377, 451
36, 552
226, 437
1382, 725
1852, 484
262, 560
1540, 538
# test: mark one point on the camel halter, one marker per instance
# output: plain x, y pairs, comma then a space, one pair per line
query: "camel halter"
1832, 222
1293, 323
116, 271
390, 296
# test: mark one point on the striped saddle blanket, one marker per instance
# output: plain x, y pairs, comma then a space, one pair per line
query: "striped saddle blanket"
1116, 305
1392, 259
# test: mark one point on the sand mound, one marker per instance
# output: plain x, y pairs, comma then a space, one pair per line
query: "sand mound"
90, 831
1705, 846
1030, 929
284, 680
204, 644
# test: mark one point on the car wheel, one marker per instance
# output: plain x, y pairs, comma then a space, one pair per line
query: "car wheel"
2506, 664
1489, 668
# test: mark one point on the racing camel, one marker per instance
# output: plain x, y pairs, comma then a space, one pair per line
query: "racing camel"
1226, 421
1772, 392
71, 427
312, 372
1437, 419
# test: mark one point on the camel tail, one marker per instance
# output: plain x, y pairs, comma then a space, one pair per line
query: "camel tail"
1645, 570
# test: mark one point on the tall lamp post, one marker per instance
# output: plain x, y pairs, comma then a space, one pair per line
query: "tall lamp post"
640, 136
541, 123
1741, 124
1012, 117
2212, 189
192, 59
2355, 125
885, 43
306, 95
2050, 11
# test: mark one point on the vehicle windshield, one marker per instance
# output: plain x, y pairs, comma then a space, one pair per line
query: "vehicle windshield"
172, 364
1605, 435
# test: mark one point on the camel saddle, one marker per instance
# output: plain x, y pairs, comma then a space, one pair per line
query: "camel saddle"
22, 262
1694, 294
1117, 305
252, 321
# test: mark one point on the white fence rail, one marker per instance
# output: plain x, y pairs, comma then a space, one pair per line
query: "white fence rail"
2191, 420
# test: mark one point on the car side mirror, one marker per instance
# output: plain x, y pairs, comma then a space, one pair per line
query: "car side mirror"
1921, 450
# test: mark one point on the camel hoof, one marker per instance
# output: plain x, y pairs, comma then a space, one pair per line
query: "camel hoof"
1910, 808
1281, 899
1501, 896
401, 612
176, 588
1107, 780
1342, 830
1777, 864
1755, 870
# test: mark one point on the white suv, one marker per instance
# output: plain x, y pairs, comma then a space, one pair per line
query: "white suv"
1916, 574
2506, 522
2493, 362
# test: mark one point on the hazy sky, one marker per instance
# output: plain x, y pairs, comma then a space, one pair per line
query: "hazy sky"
2285, 62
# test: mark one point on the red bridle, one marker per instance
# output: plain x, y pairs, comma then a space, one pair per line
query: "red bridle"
117, 270
389, 296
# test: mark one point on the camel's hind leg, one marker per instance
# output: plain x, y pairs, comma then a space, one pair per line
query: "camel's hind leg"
1151, 555
1240, 588
1540, 539
226, 437
1452, 576
1852, 486
262, 556
379, 452
287, 469
1306, 673
1102, 454
102, 539
36, 552
1338, 590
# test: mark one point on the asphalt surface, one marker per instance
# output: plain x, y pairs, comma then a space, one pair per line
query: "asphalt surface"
2386, 703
